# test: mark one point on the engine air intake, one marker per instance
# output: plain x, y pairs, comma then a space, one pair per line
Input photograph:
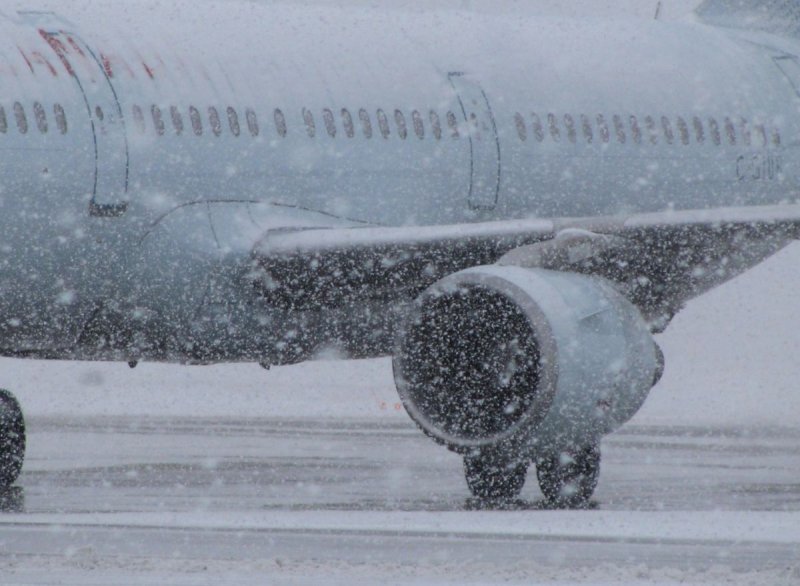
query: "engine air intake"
535, 359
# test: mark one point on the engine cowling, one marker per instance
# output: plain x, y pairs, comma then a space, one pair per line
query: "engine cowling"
525, 359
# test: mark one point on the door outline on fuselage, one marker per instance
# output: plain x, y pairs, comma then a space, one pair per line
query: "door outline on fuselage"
109, 190
484, 154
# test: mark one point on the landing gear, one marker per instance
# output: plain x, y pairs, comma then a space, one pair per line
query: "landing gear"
493, 478
12, 439
568, 478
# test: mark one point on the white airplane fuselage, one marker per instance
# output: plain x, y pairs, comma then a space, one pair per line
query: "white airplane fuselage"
145, 151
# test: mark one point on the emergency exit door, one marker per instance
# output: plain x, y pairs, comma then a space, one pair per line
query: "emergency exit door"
480, 129
109, 197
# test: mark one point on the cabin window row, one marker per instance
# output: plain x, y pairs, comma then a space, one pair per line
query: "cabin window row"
384, 123
349, 123
37, 116
215, 120
683, 130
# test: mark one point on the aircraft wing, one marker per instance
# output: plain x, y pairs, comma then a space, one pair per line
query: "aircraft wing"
659, 259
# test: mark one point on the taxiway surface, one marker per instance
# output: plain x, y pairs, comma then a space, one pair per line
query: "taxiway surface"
131, 499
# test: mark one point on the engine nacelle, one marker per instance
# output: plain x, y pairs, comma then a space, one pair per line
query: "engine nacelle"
523, 359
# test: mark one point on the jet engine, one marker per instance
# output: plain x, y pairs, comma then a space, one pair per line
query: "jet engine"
509, 365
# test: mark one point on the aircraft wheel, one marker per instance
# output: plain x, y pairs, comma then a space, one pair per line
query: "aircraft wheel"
568, 479
492, 478
12, 439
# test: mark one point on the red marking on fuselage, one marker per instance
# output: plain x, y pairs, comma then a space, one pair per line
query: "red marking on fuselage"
106, 65
117, 60
28, 61
59, 49
148, 70
39, 58
76, 46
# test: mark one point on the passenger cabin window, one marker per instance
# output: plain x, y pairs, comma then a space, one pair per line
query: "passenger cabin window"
280, 122
308, 118
619, 129
330, 124
196, 120
41, 117
452, 123
214, 121
730, 131
158, 120
761, 134
569, 123
552, 123
98, 113
233, 121
436, 125
747, 137
60, 117
588, 133
522, 130
713, 129
636, 132
347, 122
683, 130
252, 122
603, 128
366, 123
3, 120
177, 119
776, 137
538, 129
138, 119
383, 123
419, 126
699, 133
666, 126
650, 124
400, 120
22, 120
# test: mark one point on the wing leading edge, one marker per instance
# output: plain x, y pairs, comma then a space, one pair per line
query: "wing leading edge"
659, 259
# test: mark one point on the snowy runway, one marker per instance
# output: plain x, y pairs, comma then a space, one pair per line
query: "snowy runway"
148, 498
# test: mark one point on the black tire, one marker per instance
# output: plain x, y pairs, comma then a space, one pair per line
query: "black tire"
495, 479
568, 479
12, 439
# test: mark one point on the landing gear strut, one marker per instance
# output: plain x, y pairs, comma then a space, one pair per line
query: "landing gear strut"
12, 439
568, 478
494, 478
